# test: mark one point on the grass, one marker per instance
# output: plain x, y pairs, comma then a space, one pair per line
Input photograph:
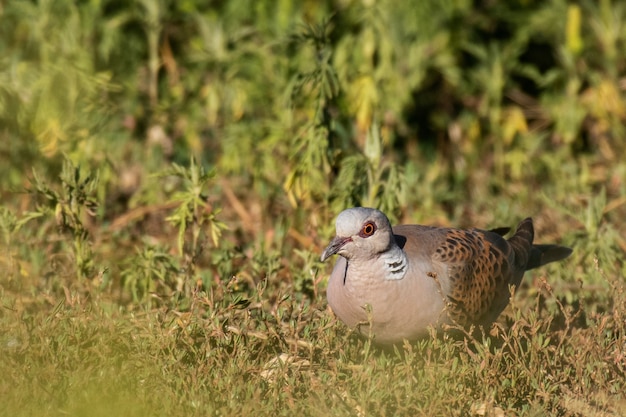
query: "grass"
171, 172
268, 350
89, 358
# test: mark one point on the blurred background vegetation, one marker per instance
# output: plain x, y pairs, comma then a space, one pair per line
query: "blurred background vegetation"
445, 112
153, 150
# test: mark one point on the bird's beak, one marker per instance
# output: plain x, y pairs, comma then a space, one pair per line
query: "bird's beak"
334, 247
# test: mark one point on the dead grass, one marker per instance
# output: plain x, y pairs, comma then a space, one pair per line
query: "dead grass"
87, 356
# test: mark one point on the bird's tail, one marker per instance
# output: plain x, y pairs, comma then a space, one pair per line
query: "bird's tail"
543, 254
531, 256
521, 242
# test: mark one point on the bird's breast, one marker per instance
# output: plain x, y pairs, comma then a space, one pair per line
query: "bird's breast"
362, 297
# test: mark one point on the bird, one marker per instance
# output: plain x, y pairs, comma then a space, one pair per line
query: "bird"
395, 284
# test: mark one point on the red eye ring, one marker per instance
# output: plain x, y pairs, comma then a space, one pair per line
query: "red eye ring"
368, 229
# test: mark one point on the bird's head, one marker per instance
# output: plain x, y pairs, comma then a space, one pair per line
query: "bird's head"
360, 233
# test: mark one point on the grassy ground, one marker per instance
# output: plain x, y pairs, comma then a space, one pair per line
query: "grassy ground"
83, 355
171, 172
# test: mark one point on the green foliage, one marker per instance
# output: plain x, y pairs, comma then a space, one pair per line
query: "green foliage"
135, 280
193, 212
69, 207
151, 271
311, 147
53, 96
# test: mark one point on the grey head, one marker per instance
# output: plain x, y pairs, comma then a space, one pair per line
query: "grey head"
361, 233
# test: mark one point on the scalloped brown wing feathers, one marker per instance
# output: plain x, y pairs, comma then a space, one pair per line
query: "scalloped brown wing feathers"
481, 266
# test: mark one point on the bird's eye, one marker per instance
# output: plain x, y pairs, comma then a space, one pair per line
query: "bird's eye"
368, 229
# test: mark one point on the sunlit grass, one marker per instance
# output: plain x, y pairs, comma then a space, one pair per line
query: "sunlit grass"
88, 357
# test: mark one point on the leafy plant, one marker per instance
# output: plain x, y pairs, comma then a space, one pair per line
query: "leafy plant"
193, 215
312, 148
150, 274
70, 207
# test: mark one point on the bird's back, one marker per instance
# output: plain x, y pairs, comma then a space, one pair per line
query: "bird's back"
474, 267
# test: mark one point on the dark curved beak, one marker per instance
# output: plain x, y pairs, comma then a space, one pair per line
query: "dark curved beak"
334, 246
